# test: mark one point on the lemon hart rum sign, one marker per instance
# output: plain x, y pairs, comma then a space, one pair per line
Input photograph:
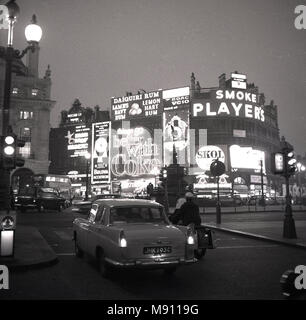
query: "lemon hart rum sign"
140, 105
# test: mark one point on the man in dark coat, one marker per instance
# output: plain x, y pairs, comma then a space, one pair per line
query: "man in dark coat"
189, 212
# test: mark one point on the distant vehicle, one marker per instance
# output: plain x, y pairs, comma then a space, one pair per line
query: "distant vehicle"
130, 233
61, 183
85, 206
256, 200
39, 199
226, 201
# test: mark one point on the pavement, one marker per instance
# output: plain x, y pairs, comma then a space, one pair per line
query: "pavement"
267, 226
30, 250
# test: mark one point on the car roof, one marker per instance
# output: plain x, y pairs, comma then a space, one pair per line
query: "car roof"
127, 202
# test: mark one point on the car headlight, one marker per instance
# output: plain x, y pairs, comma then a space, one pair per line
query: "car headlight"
122, 240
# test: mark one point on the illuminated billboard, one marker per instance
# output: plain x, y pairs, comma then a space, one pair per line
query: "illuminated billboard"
176, 125
174, 99
247, 158
238, 81
134, 154
229, 103
207, 154
141, 105
78, 139
100, 164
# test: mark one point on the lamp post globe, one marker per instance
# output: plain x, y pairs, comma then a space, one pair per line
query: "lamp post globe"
33, 31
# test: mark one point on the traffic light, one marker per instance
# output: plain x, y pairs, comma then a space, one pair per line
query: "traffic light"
290, 162
284, 162
8, 151
163, 174
9, 157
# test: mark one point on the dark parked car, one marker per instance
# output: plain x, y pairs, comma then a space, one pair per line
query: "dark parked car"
39, 198
85, 206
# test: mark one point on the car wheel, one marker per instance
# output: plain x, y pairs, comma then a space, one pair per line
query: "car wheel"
78, 252
170, 271
103, 267
199, 253
60, 208
41, 208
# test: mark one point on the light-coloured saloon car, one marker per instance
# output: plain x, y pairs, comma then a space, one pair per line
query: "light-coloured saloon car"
132, 233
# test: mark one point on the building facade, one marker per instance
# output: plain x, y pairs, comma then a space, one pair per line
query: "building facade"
30, 108
193, 125
71, 141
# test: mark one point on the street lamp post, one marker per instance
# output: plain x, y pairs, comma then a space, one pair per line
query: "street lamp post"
300, 169
262, 200
87, 157
33, 35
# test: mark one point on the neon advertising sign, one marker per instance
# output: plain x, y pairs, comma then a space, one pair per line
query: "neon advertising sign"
141, 105
234, 103
134, 154
100, 164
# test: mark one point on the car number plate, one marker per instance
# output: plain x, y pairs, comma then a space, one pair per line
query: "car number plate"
156, 250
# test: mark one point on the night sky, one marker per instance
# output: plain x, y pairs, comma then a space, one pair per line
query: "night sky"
102, 48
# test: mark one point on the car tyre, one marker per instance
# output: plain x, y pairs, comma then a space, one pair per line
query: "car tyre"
170, 271
41, 208
199, 253
60, 208
103, 267
77, 250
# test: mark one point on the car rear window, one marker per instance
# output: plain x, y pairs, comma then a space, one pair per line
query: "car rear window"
26, 192
137, 215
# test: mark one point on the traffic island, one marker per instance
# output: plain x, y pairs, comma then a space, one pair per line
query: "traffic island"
266, 234
30, 250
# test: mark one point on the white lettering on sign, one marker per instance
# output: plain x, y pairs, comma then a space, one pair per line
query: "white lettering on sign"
206, 155
143, 105
230, 103
4, 277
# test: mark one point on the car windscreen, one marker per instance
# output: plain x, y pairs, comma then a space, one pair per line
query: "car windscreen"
137, 215
47, 194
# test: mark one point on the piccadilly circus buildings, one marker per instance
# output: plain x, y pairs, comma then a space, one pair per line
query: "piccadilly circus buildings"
231, 122
30, 107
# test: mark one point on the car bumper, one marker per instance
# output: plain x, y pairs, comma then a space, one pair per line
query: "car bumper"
154, 263
25, 205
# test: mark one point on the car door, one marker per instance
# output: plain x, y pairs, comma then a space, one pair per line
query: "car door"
96, 213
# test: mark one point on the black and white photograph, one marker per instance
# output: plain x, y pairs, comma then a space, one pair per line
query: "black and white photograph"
153, 153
